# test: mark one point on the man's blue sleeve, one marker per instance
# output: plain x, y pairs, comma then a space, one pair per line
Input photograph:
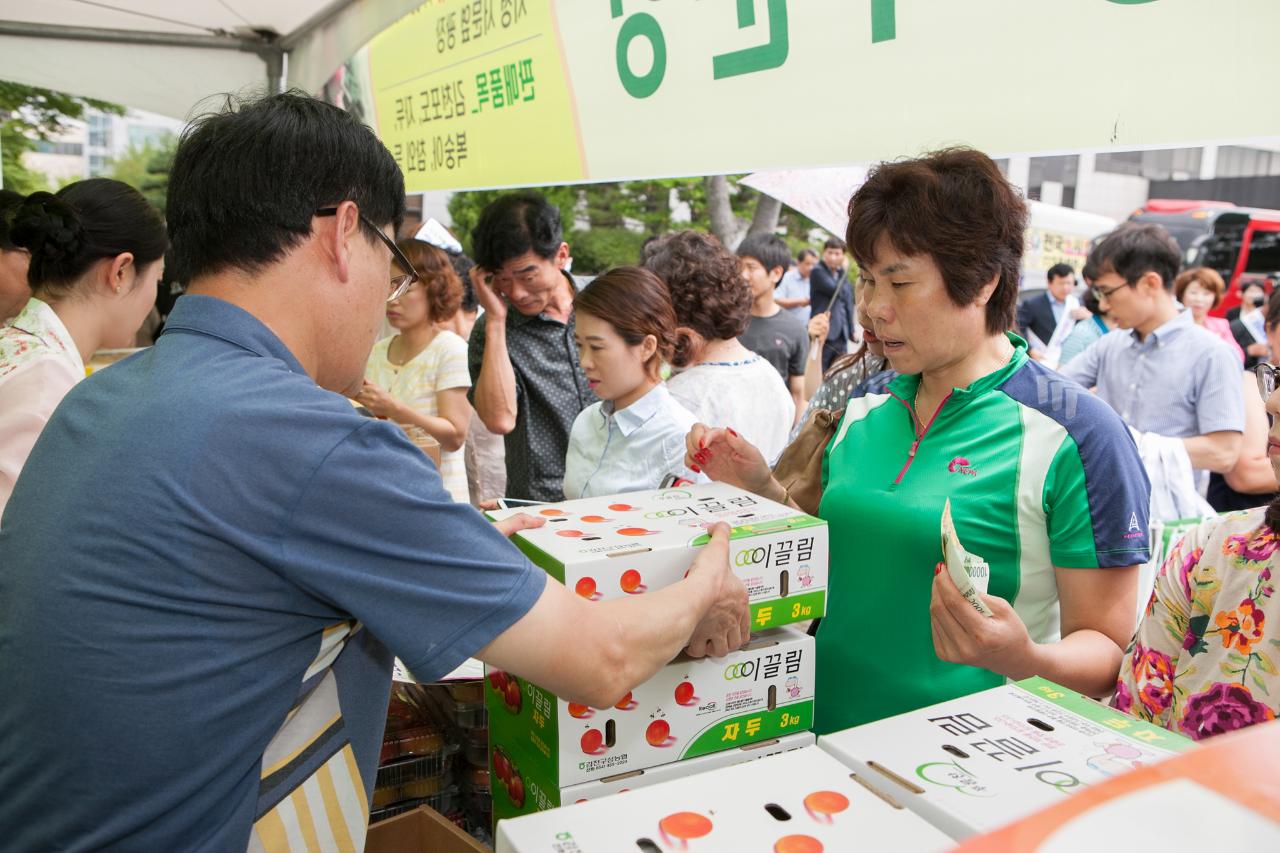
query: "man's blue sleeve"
375, 534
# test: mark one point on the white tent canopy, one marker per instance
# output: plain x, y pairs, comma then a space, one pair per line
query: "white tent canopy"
167, 57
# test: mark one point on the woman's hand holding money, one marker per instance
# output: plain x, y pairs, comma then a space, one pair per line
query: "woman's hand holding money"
961, 634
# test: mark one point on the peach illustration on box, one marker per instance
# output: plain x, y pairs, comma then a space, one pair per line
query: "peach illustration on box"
580, 712
627, 703
632, 583
595, 519
622, 508
684, 694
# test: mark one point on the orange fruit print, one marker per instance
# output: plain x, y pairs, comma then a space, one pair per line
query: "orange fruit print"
685, 825
798, 844
630, 580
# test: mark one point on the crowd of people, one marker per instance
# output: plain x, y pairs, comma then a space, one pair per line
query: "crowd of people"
231, 532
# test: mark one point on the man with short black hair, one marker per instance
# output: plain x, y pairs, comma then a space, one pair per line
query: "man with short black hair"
1166, 375
831, 291
793, 291
527, 384
1042, 316
773, 334
210, 558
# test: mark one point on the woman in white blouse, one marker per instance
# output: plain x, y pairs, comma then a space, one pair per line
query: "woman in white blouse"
418, 377
721, 381
96, 255
625, 329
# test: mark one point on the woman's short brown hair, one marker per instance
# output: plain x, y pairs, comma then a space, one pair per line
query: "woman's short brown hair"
707, 289
1207, 278
443, 288
956, 207
636, 303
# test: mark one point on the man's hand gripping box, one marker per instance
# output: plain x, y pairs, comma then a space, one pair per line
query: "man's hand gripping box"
611, 547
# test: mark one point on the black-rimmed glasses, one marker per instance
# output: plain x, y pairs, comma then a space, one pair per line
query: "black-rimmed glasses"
400, 284
1100, 294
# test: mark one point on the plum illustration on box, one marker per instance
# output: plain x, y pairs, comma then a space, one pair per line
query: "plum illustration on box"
692, 707
624, 545
799, 801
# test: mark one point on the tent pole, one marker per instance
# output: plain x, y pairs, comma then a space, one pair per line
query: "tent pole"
277, 68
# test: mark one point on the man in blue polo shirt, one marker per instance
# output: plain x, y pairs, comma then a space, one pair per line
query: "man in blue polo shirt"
210, 557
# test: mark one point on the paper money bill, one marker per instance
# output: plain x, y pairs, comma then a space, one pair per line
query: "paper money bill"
969, 572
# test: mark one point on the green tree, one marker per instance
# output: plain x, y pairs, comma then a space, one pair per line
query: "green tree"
146, 168
28, 114
606, 223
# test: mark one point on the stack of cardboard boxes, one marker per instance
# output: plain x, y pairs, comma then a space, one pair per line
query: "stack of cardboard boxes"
695, 714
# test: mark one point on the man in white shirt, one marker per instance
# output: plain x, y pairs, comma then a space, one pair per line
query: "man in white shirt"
793, 291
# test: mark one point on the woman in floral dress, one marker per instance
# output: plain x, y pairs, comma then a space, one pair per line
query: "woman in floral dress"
1206, 658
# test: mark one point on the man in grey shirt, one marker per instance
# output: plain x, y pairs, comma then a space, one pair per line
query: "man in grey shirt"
527, 383
1159, 370
773, 334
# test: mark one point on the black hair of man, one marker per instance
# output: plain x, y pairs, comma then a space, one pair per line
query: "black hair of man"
1133, 250
514, 224
1059, 271
10, 201
248, 179
768, 249
835, 243
804, 254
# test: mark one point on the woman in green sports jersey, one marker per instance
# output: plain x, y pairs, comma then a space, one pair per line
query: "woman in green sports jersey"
1044, 480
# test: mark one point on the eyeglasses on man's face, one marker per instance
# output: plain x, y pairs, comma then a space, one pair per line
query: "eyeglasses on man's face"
399, 283
1101, 293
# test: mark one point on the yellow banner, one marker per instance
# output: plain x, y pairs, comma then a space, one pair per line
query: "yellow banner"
484, 93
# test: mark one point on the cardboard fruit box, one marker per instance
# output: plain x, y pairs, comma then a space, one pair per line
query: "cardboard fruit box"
973, 764
803, 801
512, 798
692, 707
611, 547
1228, 785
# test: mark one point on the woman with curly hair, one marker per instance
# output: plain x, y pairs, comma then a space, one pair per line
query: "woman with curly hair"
418, 377
96, 255
721, 381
